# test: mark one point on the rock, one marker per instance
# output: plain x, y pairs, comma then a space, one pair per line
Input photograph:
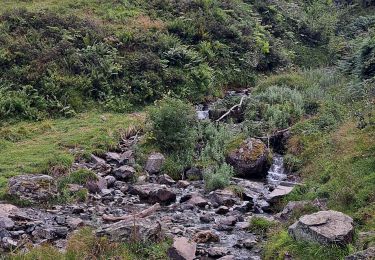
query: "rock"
97, 160
251, 190
279, 192
154, 163
33, 188
124, 173
96, 186
228, 221
250, 160
223, 197
110, 181
74, 223
227, 257
182, 184
368, 254
196, 200
217, 251
153, 193
290, 208
206, 236
324, 227
249, 243
143, 179
165, 179
182, 249
142, 230
207, 218
245, 206
127, 158
113, 157
50, 233
73, 188
243, 225
194, 174
222, 210
5, 211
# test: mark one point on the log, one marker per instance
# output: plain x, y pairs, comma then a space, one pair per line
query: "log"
231, 109
144, 213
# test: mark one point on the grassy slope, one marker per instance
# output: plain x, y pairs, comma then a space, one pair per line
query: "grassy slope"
36, 147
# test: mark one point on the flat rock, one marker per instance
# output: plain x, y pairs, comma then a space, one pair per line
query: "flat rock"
279, 192
223, 197
182, 184
165, 179
217, 251
197, 200
153, 193
324, 227
5, 211
182, 249
124, 173
33, 188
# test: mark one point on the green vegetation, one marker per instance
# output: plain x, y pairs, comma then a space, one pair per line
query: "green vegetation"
84, 244
50, 146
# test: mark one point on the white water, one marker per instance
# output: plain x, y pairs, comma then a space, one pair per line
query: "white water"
276, 173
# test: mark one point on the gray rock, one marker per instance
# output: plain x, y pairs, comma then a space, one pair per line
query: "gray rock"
182, 249
250, 160
182, 184
124, 173
154, 163
50, 233
33, 188
324, 227
368, 254
97, 160
110, 181
222, 210
153, 193
113, 157
194, 174
223, 197
5, 221
165, 179
96, 186
197, 201
206, 236
290, 208
74, 223
228, 221
227, 257
217, 251
279, 192
142, 230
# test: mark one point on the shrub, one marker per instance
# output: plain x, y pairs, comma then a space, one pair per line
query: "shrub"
173, 125
218, 177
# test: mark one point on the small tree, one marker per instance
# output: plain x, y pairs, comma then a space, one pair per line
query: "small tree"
173, 125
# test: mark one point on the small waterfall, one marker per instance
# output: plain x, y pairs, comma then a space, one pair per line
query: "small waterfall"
202, 112
276, 173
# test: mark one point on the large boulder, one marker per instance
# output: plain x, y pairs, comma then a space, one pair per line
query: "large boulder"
153, 193
324, 227
141, 230
124, 173
250, 160
154, 163
33, 188
182, 249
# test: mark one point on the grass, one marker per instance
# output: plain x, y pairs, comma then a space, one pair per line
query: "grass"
38, 147
84, 245
260, 225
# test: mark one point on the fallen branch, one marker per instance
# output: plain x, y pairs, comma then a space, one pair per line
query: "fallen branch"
231, 109
144, 213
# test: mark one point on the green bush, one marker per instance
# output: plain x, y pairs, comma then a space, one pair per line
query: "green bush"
173, 125
218, 177
260, 225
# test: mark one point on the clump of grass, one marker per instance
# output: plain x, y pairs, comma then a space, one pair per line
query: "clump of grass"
260, 225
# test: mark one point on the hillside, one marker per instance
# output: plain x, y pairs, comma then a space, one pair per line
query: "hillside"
98, 123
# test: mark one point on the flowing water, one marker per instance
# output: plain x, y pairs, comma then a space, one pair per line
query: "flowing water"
277, 173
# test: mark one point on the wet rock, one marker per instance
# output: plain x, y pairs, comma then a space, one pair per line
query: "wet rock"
194, 174
217, 251
206, 236
33, 188
182, 249
250, 160
246, 206
142, 230
227, 257
165, 179
262, 206
154, 163
324, 227
182, 184
223, 197
196, 200
368, 254
249, 243
124, 173
222, 210
279, 192
153, 193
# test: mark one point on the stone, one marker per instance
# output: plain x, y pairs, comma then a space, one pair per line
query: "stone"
74, 223
227, 257
182, 249
73, 188
245, 207
206, 236
33, 188
194, 174
182, 184
197, 201
142, 230
249, 243
5, 221
96, 186
290, 208
113, 157
153, 193
110, 181
250, 160
50, 233
97, 160
228, 221
367, 254
279, 192
124, 173
165, 179
154, 163
222, 210
243, 225
223, 197
324, 227
127, 157
217, 251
